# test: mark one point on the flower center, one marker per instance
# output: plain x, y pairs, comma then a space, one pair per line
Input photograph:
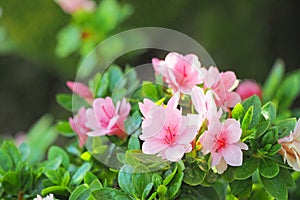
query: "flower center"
170, 136
105, 111
220, 143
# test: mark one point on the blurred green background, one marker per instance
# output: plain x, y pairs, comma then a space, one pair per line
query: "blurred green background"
244, 36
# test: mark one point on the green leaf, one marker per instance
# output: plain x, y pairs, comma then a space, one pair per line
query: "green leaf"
255, 102
286, 176
275, 187
134, 143
80, 173
241, 188
247, 118
268, 168
261, 128
5, 161
71, 102
65, 129
175, 184
89, 178
197, 193
56, 151
25, 175
115, 75
157, 180
66, 179
193, 175
170, 173
80, 193
147, 190
55, 190
269, 112
95, 185
110, 193
11, 183
285, 127
54, 176
274, 149
149, 91
247, 169
228, 175
273, 80
238, 111
102, 86
10, 148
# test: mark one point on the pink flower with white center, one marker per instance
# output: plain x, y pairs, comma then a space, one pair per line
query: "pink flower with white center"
180, 72
48, 197
290, 149
222, 140
249, 88
106, 119
82, 90
166, 132
72, 6
222, 85
205, 105
78, 125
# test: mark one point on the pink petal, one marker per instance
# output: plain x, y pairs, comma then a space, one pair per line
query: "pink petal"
146, 106
153, 146
232, 98
221, 167
229, 79
175, 153
233, 132
216, 158
211, 76
232, 155
188, 135
198, 99
80, 89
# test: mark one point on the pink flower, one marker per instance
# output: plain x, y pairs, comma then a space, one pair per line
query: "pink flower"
205, 105
222, 85
290, 149
165, 131
71, 6
222, 140
48, 197
180, 72
78, 125
106, 119
249, 88
82, 90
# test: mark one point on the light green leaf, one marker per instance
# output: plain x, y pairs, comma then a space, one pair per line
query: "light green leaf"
56, 151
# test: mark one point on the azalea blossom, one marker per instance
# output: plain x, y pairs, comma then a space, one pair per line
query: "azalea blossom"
180, 72
48, 197
72, 6
222, 140
222, 85
165, 131
290, 149
78, 125
106, 119
205, 105
249, 88
82, 90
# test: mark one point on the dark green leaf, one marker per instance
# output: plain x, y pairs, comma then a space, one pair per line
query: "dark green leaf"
247, 169
193, 175
275, 187
11, 183
241, 188
198, 193
286, 126
269, 112
5, 161
115, 75
175, 184
157, 179
274, 149
10, 148
268, 168
147, 190
170, 173
286, 176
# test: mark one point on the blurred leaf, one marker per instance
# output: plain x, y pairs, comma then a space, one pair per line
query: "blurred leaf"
273, 80
115, 75
285, 127
10, 148
80, 173
275, 187
39, 138
65, 129
89, 178
69, 40
70, 102
59, 190
134, 143
102, 85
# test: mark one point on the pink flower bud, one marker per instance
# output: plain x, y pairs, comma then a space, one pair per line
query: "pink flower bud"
249, 88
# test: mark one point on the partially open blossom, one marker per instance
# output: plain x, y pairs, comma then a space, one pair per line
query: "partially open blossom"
290, 149
48, 197
71, 6
82, 90
106, 119
204, 104
222, 140
249, 88
165, 131
180, 72
222, 85
78, 125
